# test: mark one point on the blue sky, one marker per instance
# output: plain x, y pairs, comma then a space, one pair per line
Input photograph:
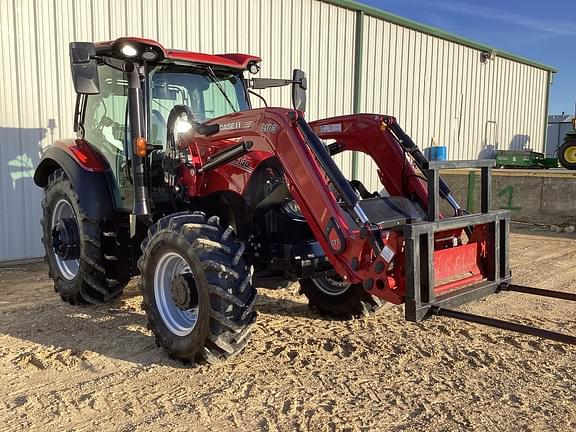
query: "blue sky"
539, 30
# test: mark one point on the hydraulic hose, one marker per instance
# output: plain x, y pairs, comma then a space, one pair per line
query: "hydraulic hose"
412, 149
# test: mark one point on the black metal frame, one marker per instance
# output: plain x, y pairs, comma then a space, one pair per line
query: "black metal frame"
419, 245
431, 170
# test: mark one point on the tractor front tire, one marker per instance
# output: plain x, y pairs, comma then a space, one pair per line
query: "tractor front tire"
197, 291
72, 246
567, 152
333, 297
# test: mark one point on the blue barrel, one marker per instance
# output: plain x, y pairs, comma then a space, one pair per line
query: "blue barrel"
437, 153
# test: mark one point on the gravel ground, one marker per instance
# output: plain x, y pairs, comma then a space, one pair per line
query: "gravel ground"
97, 368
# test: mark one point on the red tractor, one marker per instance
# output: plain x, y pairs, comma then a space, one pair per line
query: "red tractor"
174, 177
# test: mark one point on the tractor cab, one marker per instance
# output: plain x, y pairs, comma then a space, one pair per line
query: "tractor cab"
192, 87
209, 85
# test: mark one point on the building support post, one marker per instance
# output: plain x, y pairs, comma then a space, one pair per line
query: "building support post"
549, 81
358, 60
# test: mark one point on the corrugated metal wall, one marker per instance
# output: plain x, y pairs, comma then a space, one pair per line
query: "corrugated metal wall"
436, 88
37, 99
442, 91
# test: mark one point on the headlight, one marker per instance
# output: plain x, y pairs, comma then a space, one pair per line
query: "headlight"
182, 126
253, 68
129, 51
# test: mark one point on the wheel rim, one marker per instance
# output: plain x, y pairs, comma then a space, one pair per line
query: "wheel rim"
63, 211
179, 321
570, 154
331, 285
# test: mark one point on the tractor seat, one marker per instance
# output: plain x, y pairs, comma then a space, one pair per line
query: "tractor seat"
391, 211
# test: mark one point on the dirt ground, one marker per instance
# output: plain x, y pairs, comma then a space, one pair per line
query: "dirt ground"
97, 368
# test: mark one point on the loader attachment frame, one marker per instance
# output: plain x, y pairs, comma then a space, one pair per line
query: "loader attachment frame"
423, 292
425, 297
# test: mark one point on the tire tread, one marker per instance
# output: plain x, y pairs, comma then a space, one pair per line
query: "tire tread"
232, 297
92, 285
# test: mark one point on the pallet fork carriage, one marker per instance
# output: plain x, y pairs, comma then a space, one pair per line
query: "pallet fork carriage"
176, 178
422, 300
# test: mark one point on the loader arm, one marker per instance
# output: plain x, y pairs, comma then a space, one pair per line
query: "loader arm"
371, 135
365, 239
350, 241
444, 261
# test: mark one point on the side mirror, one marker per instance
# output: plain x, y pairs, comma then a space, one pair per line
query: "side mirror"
84, 67
299, 86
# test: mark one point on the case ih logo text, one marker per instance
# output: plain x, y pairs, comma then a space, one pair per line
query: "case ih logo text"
235, 125
269, 127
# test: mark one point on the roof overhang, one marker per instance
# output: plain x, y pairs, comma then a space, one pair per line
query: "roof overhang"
229, 61
433, 31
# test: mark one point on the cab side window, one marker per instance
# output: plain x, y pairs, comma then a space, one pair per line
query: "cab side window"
105, 127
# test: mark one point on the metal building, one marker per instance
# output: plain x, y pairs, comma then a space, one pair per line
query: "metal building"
462, 94
558, 127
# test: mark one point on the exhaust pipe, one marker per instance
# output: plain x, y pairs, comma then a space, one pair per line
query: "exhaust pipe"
136, 113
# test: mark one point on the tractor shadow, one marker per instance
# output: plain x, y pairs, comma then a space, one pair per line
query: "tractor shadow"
30, 311
20, 150
269, 304
116, 330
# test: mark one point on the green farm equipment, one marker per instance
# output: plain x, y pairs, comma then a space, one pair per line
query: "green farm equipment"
524, 159
567, 151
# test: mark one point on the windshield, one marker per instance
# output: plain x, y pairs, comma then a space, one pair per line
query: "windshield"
207, 94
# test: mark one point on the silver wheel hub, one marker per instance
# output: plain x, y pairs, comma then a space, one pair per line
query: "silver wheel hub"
65, 239
176, 294
331, 285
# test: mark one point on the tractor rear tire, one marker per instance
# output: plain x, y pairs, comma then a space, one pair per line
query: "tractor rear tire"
197, 291
338, 299
77, 268
567, 152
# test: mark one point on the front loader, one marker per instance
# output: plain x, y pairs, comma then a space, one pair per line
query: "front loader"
175, 177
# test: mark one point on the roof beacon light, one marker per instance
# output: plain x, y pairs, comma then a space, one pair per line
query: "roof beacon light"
129, 51
149, 55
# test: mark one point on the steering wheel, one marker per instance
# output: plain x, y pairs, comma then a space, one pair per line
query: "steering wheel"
176, 112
